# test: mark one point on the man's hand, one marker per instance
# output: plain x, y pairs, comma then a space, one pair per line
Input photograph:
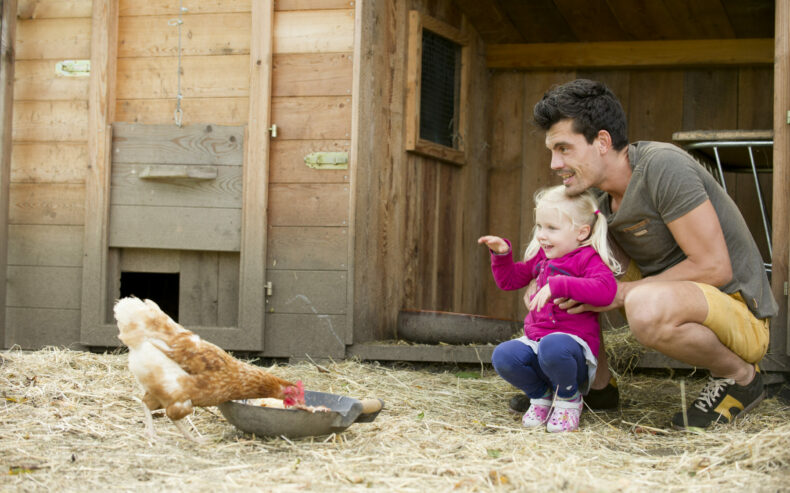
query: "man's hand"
573, 306
540, 299
494, 243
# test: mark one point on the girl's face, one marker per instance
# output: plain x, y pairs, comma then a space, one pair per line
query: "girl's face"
555, 232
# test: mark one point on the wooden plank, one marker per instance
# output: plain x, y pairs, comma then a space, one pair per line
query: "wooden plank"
355, 133
301, 335
490, 21
307, 291
287, 165
53, 9
184, 228
701, 19
578, 14
54, 204
308, 205
64, 39
150, 260
312, 117
206, 34
169, 144
228, 289
780, 337
508, 112
152, 78
281, 5
314, 31
710, 99
7, 37
689, 136
252, 262
643, 54
313, 248
427, 227
751, 19
448, 231
538, 20
36, 328
198, 290
413, 78
170, 7
127, 188
49, 162
755, 98
654, 110
475, 354
47, 121
36, 80
45, 245
219, 111
44, 287
312, 74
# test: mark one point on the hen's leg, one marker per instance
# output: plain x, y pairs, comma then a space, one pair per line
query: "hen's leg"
149, 422
185, 431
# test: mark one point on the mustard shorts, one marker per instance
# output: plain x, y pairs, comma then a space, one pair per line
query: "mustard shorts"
730, 319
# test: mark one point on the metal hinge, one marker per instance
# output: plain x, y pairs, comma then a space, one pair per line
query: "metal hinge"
273, 130
785, 288
269, 288
788, 117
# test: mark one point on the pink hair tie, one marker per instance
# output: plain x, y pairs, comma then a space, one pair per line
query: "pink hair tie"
597, 212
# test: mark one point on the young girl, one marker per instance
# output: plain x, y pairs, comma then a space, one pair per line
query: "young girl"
555, 361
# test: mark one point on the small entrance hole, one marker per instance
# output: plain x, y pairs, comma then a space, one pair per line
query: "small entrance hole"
160, 288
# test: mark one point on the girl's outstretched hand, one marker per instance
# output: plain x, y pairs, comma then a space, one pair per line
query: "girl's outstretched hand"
540, 299
494, 243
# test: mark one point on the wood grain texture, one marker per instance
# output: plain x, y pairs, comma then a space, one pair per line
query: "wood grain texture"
308, 205
318, 336
205, 34
48, 121
36, 80
780, 341
300, 118
312, 74
220, 111
654, 109
52, 203
36, 328
53, 9
710, 99
287, 165
169, 144
307, 291
170, 7
44, 287
64, 39
45, 245
311, 248
314, 31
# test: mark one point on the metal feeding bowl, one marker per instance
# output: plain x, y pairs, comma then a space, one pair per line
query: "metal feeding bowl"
296, 423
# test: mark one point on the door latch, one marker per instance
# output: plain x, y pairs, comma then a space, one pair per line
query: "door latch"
273, 130
269, 288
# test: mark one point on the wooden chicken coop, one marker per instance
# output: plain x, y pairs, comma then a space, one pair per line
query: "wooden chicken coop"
285, 177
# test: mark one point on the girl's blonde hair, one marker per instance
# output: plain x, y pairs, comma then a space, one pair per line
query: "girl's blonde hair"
579, 210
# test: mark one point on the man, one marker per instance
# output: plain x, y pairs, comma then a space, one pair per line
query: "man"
701, 295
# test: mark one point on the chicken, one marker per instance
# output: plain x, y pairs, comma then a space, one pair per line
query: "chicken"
178, 370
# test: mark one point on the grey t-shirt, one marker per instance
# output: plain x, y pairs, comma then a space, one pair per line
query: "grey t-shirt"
666, 184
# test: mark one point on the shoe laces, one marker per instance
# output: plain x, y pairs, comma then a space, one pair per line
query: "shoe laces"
710, 393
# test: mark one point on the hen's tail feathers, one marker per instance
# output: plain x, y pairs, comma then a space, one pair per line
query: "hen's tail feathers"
137, 319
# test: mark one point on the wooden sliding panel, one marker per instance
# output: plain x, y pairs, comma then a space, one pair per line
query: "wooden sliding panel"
7, 36
104, 30
781, 186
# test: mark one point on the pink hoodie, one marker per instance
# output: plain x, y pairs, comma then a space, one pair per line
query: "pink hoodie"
580, 275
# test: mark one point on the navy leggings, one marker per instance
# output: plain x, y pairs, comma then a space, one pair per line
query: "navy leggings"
559, 362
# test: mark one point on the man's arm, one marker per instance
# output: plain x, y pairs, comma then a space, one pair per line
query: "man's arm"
699, 235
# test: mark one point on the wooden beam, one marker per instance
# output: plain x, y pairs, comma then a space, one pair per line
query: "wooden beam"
682, 53
101, 109
780, 342
252, 271
7, 58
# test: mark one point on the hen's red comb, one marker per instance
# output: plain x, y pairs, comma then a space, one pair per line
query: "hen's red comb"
294, 394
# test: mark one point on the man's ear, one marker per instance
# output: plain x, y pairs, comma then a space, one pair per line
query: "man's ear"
584, 233
604, 141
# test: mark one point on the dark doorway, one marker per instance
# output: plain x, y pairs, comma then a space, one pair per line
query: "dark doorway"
160, 288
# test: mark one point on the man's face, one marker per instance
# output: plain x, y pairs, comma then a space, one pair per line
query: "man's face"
573, 159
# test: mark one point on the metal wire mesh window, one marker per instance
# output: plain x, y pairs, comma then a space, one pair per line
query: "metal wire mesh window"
439, 89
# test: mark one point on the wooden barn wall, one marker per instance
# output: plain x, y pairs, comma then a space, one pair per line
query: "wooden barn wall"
308, 227
657, 102
417, 218
48, 163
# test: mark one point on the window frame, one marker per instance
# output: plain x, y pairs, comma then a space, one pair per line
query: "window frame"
417, 23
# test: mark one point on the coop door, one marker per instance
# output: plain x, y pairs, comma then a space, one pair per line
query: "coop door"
174, 230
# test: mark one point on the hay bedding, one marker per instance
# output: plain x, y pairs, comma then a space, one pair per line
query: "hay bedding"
68, 422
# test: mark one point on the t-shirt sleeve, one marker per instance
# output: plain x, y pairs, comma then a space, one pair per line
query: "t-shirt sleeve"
675, 188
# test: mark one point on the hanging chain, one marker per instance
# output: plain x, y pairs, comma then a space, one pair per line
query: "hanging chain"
178, 113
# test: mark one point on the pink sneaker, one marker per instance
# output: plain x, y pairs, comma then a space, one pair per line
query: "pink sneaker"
565, 416
537, 414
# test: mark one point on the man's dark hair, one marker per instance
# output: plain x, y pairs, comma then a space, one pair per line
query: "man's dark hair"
591, 106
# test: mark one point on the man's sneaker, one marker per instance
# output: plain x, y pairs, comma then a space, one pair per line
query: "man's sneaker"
597, 399
721, 401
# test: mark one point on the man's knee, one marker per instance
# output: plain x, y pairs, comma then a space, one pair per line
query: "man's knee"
646, 312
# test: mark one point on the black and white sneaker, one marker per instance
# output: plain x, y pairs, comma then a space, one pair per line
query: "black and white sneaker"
721, 401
